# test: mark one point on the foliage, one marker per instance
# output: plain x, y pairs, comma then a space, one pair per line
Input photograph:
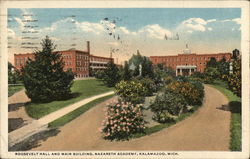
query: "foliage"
14, 76
164, 117
148, 84
162, 75
44, 78
193, 92
168, 103
126, 73
147, 67
111, 75
234, 79
123, 120
99, 74
223, 68
212, 62
131, 91
212, 72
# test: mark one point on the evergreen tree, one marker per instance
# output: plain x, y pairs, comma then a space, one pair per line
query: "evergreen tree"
126, 75
44, 78
111, 75
212, 62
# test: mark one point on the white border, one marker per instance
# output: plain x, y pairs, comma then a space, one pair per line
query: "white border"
244, 5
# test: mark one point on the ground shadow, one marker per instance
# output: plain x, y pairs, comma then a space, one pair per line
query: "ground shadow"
224, 107
34, 140
14, 106
15, 123
235, 107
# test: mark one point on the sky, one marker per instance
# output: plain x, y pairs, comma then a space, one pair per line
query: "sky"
123, 31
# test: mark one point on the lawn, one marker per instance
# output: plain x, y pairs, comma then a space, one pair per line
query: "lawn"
13, 89
79, 111
81, 89
235, 108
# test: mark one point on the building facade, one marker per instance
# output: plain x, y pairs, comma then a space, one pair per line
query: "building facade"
188, 63
78, 61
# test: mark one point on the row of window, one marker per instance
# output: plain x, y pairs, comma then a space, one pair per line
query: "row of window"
99, 59
184, 59
81, 63
81, 75
81, 68
67, 56
85, 57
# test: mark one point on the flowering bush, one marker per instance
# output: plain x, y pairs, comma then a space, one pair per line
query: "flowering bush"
122, 120
131, 91
193, 92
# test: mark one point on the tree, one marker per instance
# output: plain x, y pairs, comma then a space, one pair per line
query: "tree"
126, 74
212, 62
234, 80
147, 66
111, 75
223, 68
11, 75
44, 78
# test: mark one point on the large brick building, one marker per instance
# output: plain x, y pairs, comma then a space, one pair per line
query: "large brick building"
78, 61
188, 63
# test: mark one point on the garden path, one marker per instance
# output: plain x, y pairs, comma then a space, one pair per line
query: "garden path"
16, 106
207, 129
36, 126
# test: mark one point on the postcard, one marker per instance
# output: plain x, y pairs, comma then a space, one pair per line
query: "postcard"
124, 79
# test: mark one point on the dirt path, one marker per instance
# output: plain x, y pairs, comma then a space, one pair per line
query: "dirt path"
207, 129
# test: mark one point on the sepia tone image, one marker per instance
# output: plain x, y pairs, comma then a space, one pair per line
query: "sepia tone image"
124, 79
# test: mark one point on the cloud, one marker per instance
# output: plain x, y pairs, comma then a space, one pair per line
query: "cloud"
155, 31
209, 28
211, 20
95, 28
126, 31
196, 24
20, 22
11, 33
237, 20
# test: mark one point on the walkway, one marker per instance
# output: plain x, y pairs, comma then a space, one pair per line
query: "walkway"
41, 124
207, 129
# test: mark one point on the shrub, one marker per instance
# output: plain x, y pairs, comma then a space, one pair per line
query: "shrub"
234, 79
111, 75
164, 117
193, 92
168, 103
99, 74
149, 85
123, 120
131, 91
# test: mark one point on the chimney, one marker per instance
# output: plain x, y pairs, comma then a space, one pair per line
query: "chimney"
88, 47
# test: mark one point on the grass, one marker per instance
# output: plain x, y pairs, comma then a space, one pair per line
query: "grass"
156, 128
13, 89
81, 89
74, 114
235, 108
